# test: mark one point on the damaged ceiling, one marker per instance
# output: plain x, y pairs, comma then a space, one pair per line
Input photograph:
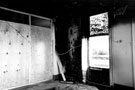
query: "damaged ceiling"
52, 8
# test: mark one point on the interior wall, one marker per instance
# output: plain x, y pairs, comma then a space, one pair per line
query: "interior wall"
68, 45
122, 53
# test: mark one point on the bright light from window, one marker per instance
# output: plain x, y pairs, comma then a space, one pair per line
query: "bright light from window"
99, 41
99, 51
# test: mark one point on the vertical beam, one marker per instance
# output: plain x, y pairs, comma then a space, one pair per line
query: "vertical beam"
52, 44
55, 68
110, 58
31, 49
88, 61
133, 49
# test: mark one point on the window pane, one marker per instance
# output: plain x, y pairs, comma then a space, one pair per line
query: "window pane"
99, 44
99, 24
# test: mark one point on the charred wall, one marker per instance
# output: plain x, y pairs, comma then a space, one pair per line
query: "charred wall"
68, 45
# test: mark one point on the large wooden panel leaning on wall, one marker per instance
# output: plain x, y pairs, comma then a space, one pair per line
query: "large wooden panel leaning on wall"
14, 54
17, 51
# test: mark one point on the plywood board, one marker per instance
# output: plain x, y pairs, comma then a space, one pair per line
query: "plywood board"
25, 54
41, 44
14, 55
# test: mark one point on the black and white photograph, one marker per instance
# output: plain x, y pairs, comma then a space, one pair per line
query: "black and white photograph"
67, 45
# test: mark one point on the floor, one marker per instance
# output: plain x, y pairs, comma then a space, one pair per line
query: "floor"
61, 85
57, 85
115, 87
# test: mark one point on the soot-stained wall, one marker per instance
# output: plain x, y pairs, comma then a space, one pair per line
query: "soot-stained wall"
68, 45
70, 29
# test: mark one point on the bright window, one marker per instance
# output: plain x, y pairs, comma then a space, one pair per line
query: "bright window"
99, 41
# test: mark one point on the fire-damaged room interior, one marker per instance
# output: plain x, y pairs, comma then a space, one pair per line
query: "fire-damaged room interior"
67, 45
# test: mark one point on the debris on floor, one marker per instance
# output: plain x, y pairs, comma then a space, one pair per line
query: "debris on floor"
56, 85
